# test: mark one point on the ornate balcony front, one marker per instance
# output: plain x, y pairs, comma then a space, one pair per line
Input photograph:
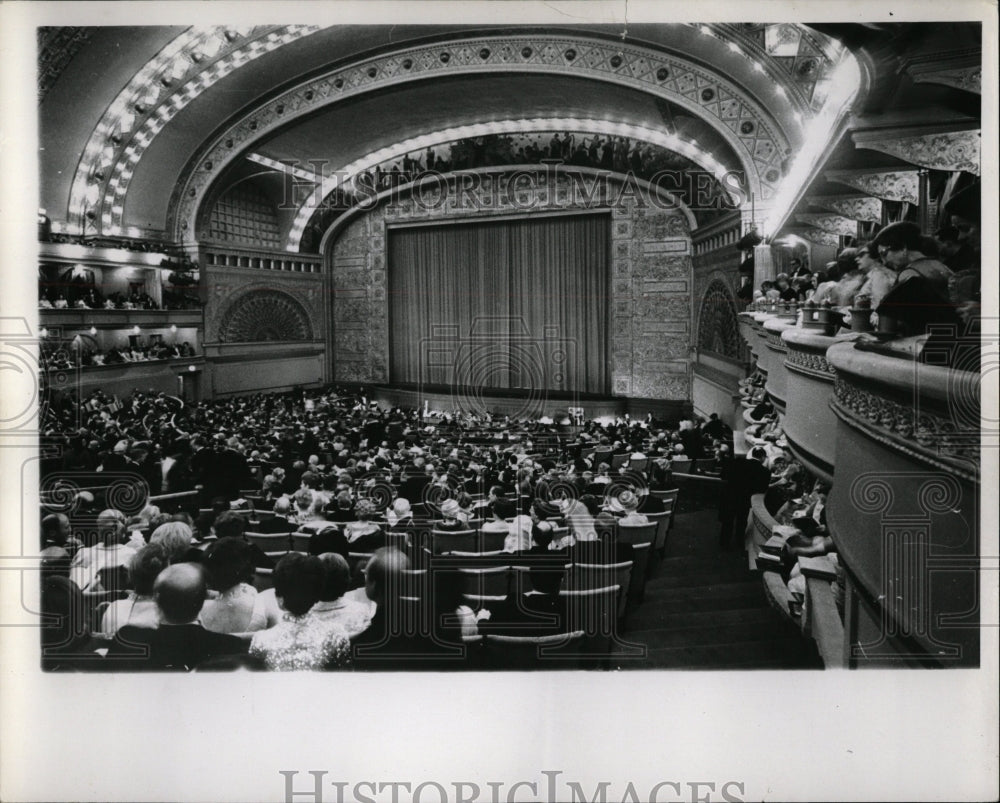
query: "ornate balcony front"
775, 387
904, 509
809, 424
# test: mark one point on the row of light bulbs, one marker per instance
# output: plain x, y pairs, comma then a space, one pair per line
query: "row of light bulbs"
44, 332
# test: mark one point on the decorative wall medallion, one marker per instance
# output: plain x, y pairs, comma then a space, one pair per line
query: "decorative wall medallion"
717, 325
264, 314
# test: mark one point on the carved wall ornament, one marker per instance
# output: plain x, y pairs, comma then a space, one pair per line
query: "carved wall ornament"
890, 185
969, 79
857, 207
264, 314
951, 150
834, 224
905, 426
810, 363
718, 331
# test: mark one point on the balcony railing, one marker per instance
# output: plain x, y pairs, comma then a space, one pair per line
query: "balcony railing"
899, 438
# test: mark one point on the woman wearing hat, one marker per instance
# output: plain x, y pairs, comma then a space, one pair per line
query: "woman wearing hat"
452, 517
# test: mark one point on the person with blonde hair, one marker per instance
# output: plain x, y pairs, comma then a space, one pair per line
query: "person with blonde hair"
175, 537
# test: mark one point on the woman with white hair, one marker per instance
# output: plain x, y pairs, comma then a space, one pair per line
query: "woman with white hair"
175, 537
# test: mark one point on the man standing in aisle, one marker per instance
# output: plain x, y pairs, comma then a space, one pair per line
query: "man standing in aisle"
743, 477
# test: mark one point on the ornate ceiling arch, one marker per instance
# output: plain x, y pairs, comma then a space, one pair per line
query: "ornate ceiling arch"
542, 193
689, 150
188, 65
745, 124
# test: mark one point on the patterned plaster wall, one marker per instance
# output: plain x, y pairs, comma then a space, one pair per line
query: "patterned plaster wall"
229, 288
714, 272
650, 276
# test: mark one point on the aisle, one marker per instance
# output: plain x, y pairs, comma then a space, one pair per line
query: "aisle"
705, 610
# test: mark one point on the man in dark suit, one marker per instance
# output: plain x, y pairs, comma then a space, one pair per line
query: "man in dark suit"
179, 643
395, 640
743, 477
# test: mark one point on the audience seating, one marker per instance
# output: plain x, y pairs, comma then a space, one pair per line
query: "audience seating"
590, 576
442, 542
491, 542
595, 612
641, 538
489, 583
532, 652
662, 521
300, 541
274, 545
263, 578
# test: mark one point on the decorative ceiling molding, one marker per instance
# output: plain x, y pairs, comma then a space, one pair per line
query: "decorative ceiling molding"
56, 48
804, 72
969, 79
834, 224
939, 150
181, 71
889, 185
858, 207
816, 236
746, 125
962, 70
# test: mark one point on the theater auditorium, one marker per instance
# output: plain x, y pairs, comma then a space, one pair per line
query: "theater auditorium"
474, 348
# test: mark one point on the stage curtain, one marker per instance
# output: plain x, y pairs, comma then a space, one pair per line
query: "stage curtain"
501, 304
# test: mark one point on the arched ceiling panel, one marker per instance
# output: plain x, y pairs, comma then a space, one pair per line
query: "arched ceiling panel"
727, 76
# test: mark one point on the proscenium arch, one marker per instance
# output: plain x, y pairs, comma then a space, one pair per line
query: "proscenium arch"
334, 229
535, 125
693, 87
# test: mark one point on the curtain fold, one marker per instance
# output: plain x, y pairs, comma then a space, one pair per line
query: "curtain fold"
502, 304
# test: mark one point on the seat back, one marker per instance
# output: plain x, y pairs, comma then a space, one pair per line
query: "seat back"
618, 460
638, 465
442, 542
397, 540
636, 533
532, 652
667, 497
593, 611
602, 455
271, 543
662, 521
681, 466
491, 542
491, 582
263, 579
589, 576
300, 541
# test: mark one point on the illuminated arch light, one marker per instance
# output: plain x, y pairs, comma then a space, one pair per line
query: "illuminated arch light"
818, 133
171, 63
345, 175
